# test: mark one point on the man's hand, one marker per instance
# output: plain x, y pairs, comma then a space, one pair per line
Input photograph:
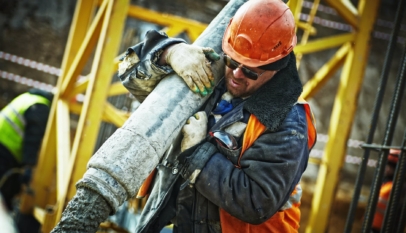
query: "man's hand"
191, 63
194, 131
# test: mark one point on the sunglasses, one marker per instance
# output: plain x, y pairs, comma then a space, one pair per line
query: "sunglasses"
233, 64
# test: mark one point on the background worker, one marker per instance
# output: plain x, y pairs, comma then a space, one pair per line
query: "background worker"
253, 134
385, 190
22, 125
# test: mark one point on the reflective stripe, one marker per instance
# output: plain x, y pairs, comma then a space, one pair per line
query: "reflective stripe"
18, 130
18, 115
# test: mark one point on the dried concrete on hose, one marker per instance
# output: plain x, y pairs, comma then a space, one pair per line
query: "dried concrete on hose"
133, 151
82, 215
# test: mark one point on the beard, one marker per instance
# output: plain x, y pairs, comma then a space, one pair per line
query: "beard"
237, 89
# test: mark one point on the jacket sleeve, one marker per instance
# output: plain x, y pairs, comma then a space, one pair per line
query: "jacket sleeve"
270, 169
36, 121
142, 77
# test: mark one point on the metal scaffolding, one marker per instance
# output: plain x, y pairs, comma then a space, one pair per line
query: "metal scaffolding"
95, 37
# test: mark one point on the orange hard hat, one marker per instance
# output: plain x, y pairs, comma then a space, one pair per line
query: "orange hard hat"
261, 32
393, 156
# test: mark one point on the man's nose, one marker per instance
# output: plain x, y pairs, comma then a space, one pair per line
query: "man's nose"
238, 73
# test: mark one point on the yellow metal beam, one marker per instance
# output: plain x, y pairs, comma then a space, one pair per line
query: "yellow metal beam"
347, 10
306, 26
324, 43
43, 180
325, 72
80, 25
110, 114
47, 156
75, 107
361, 5
174, 30
49, 219
117, 88
314, 160
102, 68
114, 116
39, 214
63, 145
307, 29
80, 87
56, 152
191, 27
45, 169
68, 82
85, 50
341, 121
296, 8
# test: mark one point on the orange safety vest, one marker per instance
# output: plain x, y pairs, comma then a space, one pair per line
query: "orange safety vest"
286, 220
381, 206
283, 221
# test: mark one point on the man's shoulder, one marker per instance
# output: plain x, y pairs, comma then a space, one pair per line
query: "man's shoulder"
296, 112
46, 94
296, 115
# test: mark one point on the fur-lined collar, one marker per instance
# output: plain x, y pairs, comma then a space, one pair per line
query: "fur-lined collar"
273, 101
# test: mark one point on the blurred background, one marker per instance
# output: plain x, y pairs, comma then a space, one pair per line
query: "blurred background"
34, 35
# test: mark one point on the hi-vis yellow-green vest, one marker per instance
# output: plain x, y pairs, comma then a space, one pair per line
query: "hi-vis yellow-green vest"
12, 122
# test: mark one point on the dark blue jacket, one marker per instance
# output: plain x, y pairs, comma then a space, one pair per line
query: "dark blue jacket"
270, 168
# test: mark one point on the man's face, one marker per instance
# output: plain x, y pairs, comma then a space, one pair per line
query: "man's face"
239, 85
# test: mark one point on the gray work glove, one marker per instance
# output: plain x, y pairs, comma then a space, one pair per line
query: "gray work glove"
84, 213
195, 162
139, 87
194, 131
192, 64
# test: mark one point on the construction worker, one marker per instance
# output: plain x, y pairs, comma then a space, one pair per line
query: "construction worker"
385, 190
242, 156
22, 127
